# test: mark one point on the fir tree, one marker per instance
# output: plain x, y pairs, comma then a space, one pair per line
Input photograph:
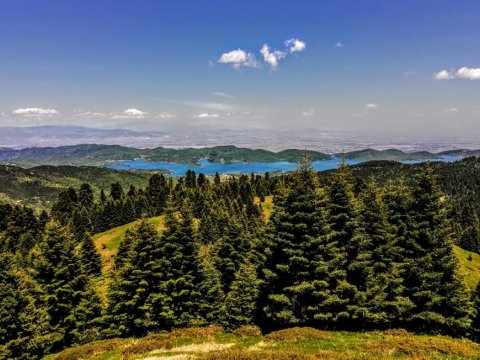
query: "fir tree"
241, 301
431, 279
91, 261
59, 273
85, 195
373, 271
295, 286
128, 311
176, 301
116, 191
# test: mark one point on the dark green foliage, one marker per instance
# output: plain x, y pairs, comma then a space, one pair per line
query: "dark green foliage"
116, 191
85, 195
133, 283
177, 300
241, 301
90, 258
25, 331
66, 204
58, 271
295, 286
431, 281
157, 193
378, 301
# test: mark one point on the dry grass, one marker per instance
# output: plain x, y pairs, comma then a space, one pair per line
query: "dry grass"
248, 331
297, 333
295, 343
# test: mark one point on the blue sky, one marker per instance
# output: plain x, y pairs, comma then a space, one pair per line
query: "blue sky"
398, 66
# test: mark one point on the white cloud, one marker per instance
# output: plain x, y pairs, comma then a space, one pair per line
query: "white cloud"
33, 111
372, 106
452, 110
134, 112
222, 94
339, 45
308, 112
468, 73
239, 58
463, 73
443, 75
271, 58
166, 115
295, 45
409, 73
206, 115
202, 104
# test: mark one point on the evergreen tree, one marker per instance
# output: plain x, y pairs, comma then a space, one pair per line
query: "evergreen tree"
58, 271
157, 193
25, 331
431, 279
211, 307
177, 300
241, 301
373, 271
103, 197
295, 288
90, 259
85, 195
129, 313
81, 224
65, 205
116, 191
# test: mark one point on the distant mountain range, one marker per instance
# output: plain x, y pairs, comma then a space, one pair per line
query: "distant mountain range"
99, 155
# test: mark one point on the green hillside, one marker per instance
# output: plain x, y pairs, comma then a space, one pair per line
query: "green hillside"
39, 186
294, 343
96, 155
388, 154
469, 266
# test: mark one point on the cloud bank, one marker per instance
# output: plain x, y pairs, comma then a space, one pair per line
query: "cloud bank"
464, 73
34, 111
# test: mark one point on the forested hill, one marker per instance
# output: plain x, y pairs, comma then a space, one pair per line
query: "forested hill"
95, 155
335, 252
39, 187
91, 154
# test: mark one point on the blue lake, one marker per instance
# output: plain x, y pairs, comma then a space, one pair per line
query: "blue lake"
209, 168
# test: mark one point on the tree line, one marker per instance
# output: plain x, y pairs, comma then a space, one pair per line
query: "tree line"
331, 255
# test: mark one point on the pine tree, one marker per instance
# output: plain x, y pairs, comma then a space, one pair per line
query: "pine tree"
241, 301
25, 331
81, 224
295, 288
212, 297
85, 195
157, 193
373, 271
58, 271
116, 191
89, 257
129, 313
103, 197
340, 250
431, 279
176, 301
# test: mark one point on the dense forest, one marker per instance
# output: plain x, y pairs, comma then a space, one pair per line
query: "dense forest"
346, 249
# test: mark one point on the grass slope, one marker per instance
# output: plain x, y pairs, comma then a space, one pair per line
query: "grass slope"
295, 343
469, 266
